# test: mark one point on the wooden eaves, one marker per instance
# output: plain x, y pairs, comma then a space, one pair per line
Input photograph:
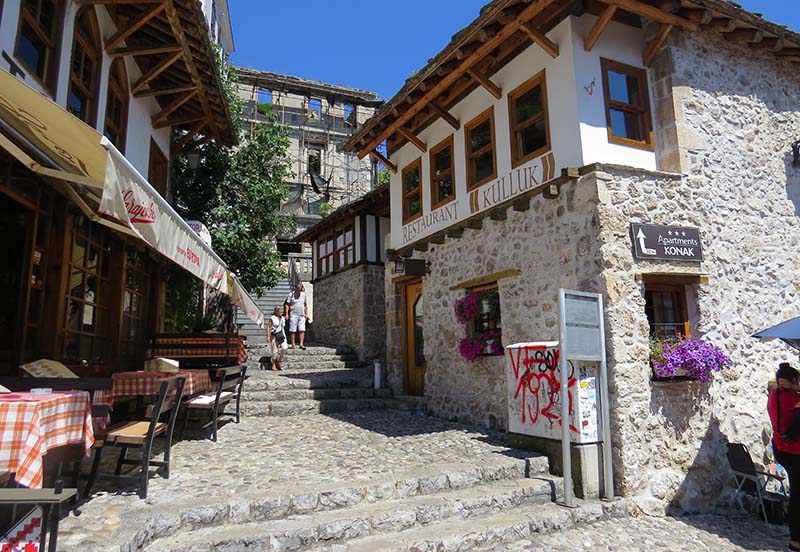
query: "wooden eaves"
505, 27
375, 203
170, 43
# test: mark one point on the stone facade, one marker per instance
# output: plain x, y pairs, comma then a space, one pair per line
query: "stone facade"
350, 311
736, 118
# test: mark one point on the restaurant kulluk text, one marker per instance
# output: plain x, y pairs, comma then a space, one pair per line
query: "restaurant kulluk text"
518, 181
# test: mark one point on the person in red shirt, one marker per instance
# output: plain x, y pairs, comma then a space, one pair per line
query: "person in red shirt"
783, 406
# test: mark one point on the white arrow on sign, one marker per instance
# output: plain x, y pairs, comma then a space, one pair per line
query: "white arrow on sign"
645, 250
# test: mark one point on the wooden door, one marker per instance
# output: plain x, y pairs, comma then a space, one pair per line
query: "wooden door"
413, 346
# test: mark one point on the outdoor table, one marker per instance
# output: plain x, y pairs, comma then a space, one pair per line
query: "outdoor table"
141, 383
30, 425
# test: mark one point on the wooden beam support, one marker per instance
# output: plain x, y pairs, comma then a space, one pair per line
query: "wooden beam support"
769, 45
670, 6
190, 134
173, 107
699, 16
182, 121
522, 204
744, 36
656, 44
455, 233
165, 64
422, 247
444, 114
164, 90
506, 32
599, 27
541, 40
421, 146
386, 163
719, 25
123, 34
486, 82
498, 214
651, 12
475, 224
145, 50
438, 238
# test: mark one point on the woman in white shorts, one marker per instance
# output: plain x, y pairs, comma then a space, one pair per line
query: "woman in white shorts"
277, 338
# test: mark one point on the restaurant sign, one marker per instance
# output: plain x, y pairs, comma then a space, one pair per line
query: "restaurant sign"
673, 243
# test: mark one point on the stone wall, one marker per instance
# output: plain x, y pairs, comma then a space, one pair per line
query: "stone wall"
349, 310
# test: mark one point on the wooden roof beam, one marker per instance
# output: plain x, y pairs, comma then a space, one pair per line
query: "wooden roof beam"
744, 36
173, 107
656, 44
123, 34
190, 134
386, 163
408, 135
145, 50
651, 12
446, 115
181, 121
541, 40
769, 45
528, 13
719, 25
599, 26
165, 90
697, 15
165, 64
486, 82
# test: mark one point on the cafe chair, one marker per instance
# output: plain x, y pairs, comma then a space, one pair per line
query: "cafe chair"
230, 382
49, 500
753, 482
140, 435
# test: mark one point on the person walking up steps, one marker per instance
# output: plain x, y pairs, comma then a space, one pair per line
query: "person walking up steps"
277, 338
297, 311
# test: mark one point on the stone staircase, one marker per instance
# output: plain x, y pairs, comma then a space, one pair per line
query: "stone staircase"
447, 507
318, 380
272, 298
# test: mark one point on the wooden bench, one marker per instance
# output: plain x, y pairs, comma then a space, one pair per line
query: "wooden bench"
200, 350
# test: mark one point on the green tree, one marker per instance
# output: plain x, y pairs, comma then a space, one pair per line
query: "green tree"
237, 192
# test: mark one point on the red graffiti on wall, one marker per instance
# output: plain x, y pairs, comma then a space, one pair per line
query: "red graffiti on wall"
535, 368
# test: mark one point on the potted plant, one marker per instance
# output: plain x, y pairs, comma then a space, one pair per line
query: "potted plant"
684, 357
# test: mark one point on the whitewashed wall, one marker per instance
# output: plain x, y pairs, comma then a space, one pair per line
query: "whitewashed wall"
577, 121
140, 110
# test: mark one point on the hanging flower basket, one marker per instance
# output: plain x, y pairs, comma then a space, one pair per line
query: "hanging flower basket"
488, 343
690, 358
475, 302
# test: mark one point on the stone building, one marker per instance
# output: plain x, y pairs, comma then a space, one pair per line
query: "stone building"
523, 154
88, 107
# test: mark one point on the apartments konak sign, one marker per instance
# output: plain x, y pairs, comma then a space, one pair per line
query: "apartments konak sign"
673, 243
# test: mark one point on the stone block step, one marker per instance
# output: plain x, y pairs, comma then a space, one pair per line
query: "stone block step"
267, 380
483, 532
296, 408
315, 394
389, 516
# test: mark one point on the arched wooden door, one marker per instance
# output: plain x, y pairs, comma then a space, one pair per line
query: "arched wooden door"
413, 342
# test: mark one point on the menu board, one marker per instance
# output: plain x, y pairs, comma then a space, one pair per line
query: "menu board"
45, 368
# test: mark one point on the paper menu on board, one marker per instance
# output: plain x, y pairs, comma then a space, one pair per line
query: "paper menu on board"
45, 368
4, 390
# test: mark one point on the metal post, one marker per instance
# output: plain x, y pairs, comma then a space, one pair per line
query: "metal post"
608, 471
566, 453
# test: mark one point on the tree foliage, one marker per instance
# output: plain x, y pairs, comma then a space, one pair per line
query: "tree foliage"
237, 192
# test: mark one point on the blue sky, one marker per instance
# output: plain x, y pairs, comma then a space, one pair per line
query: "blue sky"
373, 45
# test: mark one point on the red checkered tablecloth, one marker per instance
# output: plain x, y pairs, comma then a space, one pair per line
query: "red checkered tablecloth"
30, 425
132, 384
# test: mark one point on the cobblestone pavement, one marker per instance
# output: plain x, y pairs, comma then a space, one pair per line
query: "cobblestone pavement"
269, 456
689, 534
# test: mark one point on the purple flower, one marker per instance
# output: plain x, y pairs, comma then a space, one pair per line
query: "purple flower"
698, 359
470, 348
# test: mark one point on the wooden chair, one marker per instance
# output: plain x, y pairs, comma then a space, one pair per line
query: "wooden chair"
50, 501
751, 481
140, 435
229, 386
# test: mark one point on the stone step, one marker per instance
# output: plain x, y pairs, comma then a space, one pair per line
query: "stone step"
296, 408
314, 394
380, 518
480, 533
267, 380
290, 499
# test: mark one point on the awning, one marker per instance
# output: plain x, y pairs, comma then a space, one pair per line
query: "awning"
80, 155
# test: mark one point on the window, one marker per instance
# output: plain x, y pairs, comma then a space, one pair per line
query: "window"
325, 255
88, 324
336, 250
480, 309
314, 110
412, 191
530, 132
116, 121
264, 96
665, 306
443, 187
627, 105
479, 138
315, 159
350, 115
38, 38
135, 300
344, 247
84, 71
